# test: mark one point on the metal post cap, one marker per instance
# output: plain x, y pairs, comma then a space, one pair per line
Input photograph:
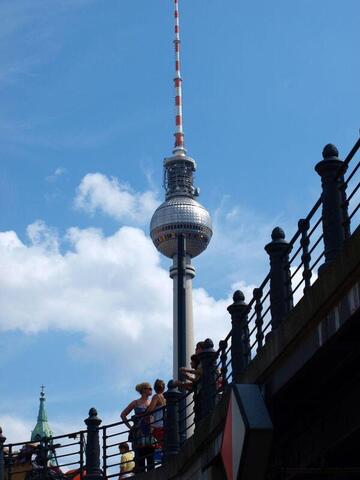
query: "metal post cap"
93, 419
239, 304
330, 152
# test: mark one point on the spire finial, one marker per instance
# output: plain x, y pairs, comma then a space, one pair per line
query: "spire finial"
179, 133
42, 428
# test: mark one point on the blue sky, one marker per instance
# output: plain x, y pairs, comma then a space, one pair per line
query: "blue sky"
86, 119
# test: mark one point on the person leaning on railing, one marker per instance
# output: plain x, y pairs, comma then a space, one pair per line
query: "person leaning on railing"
191, 375
140, 433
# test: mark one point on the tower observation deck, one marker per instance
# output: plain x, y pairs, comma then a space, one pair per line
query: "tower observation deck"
180, 227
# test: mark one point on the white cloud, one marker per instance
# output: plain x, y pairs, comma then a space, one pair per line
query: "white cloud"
15, 429
98, 192
112, 290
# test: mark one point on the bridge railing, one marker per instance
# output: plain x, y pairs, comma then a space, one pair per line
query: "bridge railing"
294, 264
294, 267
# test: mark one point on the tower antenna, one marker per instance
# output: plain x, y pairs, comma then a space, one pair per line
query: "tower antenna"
179, 147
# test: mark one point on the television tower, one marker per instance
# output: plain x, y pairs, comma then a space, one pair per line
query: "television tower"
180, 227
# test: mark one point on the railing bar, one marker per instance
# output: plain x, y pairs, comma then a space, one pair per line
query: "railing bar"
349, 157
354, 211
67, 464
295, 254
265, 312
317, 261
346, 182
253, 345
296, 271
68, 454
67, 435
316, 244
187, 428
252, 330
312, 230
117, 434
112, 444
183, 409
265, 297
297, 286
267, 326
111, 425
356, 188
67, 445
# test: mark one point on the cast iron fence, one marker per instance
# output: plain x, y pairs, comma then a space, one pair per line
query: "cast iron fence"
294, 267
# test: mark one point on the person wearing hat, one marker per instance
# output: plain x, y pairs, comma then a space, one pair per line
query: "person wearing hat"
140, 434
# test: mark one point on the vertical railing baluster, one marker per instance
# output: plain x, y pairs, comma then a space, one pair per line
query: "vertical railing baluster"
258, 293
304, 226
223, 361
2, 462
81, 455
104, 462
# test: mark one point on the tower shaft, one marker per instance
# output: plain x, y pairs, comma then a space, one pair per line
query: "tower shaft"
182, 274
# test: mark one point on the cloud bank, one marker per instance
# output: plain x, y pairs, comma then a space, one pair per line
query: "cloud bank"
110, 289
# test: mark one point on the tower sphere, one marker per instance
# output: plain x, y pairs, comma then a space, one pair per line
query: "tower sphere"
181, 214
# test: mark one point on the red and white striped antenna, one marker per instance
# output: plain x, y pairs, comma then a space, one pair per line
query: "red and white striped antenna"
179, 147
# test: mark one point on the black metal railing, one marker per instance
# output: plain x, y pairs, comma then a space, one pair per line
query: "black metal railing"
294, 267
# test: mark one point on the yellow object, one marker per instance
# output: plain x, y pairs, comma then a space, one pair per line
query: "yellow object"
127, 462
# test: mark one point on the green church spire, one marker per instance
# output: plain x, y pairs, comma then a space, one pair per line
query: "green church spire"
42, 428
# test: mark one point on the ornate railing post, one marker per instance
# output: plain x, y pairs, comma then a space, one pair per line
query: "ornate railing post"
281, 301
240, 342
93, 470
335, 219
171, 421
207, 384
2, 463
